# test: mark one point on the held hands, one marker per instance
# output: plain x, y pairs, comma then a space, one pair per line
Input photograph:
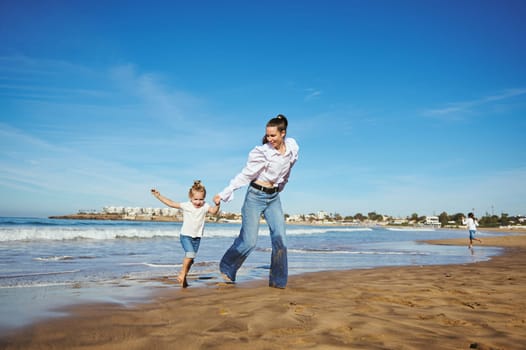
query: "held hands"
217, 200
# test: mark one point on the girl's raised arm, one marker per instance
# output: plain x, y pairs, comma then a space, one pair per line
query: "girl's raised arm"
165, 200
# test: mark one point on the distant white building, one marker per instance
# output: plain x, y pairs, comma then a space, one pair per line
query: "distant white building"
400, 221
169, 211
147, 211
294, 218
432, 221
113, 210
322, 215
135, 211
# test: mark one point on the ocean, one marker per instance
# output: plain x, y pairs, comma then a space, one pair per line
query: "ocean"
49, 264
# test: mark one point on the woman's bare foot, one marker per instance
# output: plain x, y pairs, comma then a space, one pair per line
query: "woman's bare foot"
226, 278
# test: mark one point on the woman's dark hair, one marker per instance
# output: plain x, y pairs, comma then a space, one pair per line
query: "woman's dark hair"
280, 122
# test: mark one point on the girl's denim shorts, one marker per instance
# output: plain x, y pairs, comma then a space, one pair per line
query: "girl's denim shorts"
190, 245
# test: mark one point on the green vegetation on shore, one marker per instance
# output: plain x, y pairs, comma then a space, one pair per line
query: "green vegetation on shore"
372, 218
445, 219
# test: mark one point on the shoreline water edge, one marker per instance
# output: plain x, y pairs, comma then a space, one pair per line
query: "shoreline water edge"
222, 303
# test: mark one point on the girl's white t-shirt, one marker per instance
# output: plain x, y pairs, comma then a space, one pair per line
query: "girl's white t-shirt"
471, 224
193, 219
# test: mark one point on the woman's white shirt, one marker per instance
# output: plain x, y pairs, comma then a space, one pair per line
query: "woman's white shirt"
265, 163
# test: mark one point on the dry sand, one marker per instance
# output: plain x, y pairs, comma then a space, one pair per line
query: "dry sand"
478, 306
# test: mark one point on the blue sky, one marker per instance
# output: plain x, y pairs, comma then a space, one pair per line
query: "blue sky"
398, 106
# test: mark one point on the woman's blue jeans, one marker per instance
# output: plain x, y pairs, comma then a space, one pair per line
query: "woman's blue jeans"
256, 203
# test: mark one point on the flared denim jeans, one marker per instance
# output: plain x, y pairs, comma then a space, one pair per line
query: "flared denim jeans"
256, 203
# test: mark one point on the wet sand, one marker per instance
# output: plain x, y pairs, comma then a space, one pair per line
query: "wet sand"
478, 306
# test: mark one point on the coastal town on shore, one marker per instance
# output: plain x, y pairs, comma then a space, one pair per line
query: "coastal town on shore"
319, 218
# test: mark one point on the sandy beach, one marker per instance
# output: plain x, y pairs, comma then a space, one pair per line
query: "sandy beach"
478, 306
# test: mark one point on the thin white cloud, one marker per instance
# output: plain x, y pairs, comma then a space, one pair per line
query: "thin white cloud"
153, 97
26, 66
505, 95
50, 91
64, 93
15, 140
459, 110
31, 165
58, 81
89, 152
122, 86
312, 94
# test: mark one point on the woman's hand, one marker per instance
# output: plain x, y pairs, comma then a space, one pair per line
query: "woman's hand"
155, 192
217, 199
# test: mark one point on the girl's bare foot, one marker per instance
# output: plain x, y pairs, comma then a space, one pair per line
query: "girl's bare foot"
182, 281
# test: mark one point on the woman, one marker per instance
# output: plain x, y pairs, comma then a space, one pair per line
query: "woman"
267, 171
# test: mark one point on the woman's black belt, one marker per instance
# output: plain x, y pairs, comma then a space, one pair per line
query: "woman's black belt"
267, 190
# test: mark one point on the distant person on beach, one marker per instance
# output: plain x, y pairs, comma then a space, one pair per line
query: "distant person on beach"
471, 224
266, 171
194, 213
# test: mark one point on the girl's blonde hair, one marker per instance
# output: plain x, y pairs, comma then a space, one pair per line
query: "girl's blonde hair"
197, 187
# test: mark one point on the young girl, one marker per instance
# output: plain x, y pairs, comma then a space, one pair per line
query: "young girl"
471, 224
194, 213
267, 171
